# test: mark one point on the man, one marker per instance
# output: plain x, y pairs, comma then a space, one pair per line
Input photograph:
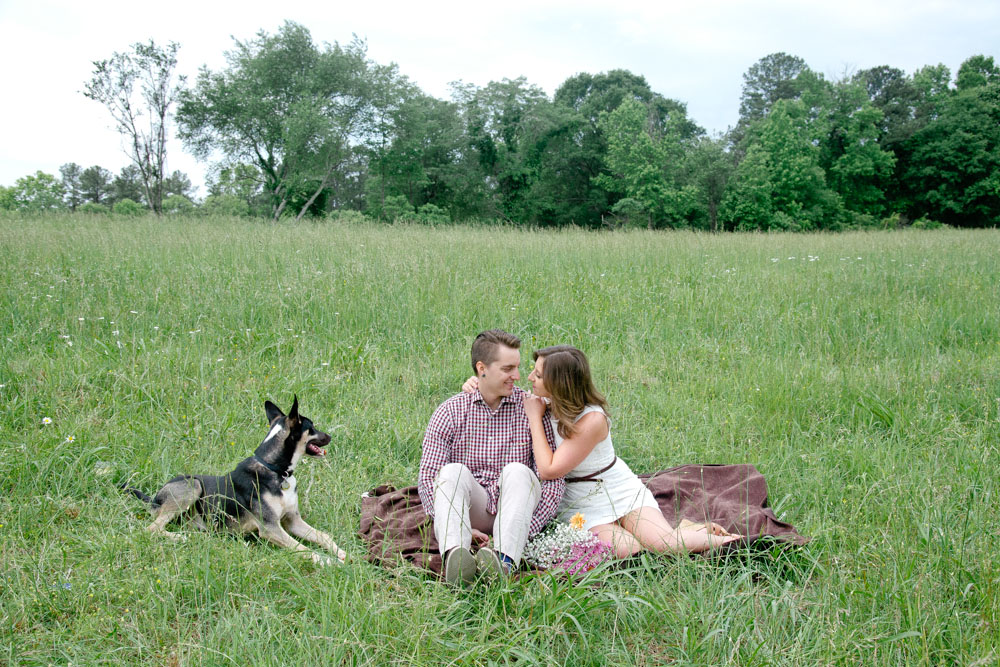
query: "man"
477, 474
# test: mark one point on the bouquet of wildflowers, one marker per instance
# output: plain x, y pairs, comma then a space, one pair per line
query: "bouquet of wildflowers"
566, 546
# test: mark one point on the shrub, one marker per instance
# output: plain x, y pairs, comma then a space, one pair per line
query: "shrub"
926, 223
128, 208
93, 208
177, 205
894, 221
856, 220
432, 215
347, 216
224, 205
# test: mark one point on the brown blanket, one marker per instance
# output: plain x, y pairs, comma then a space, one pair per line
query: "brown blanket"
394, 525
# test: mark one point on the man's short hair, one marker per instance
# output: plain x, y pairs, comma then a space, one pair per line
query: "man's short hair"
486, 346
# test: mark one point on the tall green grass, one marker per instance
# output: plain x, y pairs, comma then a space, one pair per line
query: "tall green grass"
858, 371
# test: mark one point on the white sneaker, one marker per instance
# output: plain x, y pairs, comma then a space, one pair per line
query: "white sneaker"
459, 566
490, 565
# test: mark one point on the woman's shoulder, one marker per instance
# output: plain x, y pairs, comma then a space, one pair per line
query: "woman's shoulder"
592, 408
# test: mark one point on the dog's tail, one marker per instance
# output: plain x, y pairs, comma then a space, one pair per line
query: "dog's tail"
136, 492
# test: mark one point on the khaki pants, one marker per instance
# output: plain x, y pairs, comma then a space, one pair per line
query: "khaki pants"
460, 505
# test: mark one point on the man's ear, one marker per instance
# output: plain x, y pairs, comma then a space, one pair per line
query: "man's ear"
272, 411
480, 368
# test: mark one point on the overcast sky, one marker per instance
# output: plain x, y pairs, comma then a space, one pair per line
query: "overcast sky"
692, 51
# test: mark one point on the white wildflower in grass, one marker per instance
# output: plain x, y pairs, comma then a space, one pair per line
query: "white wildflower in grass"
566, 547
46, 420
69, 439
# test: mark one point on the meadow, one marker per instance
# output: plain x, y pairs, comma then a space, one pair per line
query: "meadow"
860, 372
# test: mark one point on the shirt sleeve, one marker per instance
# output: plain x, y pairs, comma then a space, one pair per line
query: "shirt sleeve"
552, 491
436, 453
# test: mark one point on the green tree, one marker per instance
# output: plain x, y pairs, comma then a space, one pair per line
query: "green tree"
500, 120
574, 150
38, 192
7, 201
70, 174
774, 77
954, 170
292, 110
644, 165
747, 204
128, 185
138, 88
787, 168
95, 185
178, 183
856, 166
977, 72
710, 170
242, 181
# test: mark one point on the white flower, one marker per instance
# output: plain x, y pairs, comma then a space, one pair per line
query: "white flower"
80, 318
70, 438
46, 420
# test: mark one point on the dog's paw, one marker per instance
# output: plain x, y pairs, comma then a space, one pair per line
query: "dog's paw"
324, 561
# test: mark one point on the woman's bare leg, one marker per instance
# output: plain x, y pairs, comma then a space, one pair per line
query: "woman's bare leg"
622, 542
653, 532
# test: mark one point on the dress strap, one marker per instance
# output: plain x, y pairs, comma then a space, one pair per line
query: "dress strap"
591, 476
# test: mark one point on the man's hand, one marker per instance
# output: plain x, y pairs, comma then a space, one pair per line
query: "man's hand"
534, 407
479, 538
471, 385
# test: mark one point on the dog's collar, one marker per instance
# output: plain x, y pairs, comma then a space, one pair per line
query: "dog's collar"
273, 468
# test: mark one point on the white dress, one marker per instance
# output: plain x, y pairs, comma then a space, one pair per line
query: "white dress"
618, 493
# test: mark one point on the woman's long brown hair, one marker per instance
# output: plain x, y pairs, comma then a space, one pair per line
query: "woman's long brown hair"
566, 375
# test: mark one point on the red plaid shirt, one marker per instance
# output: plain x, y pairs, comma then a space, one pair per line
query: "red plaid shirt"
464, 430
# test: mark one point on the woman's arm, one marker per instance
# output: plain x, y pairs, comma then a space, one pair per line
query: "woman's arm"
590, 430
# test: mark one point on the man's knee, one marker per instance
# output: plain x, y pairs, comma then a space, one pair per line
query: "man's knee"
451, 477
520, 476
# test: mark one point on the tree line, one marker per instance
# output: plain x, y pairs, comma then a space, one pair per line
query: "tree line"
293, 128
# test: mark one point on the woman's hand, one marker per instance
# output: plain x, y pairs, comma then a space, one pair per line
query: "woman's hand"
534, 407
479, 538
471, 385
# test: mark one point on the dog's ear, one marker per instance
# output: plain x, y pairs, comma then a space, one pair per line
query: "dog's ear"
272, 411
293, 414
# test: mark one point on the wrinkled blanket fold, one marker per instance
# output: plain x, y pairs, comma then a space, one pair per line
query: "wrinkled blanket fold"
394, 525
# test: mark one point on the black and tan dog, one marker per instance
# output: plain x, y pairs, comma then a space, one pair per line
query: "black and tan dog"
258, 496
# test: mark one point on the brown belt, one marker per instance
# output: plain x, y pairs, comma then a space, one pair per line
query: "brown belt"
591, 476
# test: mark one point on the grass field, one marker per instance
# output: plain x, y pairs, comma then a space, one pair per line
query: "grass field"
859, 372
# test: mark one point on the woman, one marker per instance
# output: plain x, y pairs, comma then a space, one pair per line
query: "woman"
615, 504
